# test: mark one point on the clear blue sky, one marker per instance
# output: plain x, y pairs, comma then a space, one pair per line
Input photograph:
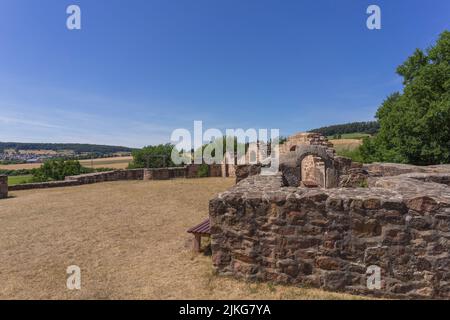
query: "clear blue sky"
140, 68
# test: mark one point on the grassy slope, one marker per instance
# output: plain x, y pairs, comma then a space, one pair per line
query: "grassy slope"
355, 135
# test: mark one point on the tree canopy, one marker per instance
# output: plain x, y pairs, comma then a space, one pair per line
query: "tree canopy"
153, 157
415, 124
58, 170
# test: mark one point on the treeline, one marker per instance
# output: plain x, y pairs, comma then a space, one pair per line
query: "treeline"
76, 147
369, 127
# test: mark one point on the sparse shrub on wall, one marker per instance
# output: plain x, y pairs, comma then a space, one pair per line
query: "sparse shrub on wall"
203, 171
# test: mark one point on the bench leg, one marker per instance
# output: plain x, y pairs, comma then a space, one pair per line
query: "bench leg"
197, 243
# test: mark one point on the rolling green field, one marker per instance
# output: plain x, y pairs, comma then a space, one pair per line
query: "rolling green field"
14, 180
354, 135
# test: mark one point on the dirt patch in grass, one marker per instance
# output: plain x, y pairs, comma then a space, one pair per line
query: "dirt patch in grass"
129, 239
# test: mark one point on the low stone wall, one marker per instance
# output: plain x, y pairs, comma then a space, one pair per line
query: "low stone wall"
178, 172
156, 174
44, 185
189, 171
70, 181
328, 238
215, 170
3, 187
134, 174
170, 173
192, 170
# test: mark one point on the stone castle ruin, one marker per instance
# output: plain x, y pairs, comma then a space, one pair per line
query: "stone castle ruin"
312, 166
356, 220
308, 159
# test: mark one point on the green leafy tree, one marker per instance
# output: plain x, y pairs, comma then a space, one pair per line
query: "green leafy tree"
153, 156
415, 124
224, 143
58, 170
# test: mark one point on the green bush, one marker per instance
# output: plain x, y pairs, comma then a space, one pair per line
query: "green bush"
58, 170
203, 171
152, 157
354, 154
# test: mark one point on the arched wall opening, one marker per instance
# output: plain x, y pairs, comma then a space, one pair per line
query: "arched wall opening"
322, 167
313, 171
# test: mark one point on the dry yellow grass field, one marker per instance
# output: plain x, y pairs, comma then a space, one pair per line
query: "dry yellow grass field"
346, 144
129, 239
113, 162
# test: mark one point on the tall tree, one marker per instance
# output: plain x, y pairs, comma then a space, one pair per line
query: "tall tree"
153, 157
415, 124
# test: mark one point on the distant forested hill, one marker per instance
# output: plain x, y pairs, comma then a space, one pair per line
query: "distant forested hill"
369, 127
76, 147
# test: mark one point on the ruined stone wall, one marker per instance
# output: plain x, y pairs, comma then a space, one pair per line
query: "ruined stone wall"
44, 185
304, 138
246, 170
395, 169
189, 171
192, 170
134, 174
96, 177
177, 172
313, 169
328, 238
3, 187
156, 174
215, 170
324, 166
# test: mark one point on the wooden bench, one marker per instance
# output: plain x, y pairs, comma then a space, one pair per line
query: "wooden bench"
201, 230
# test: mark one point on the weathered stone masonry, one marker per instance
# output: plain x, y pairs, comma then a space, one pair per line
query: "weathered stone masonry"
3, 187
327, 238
